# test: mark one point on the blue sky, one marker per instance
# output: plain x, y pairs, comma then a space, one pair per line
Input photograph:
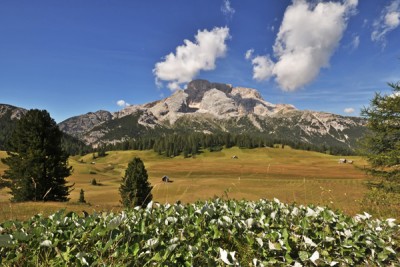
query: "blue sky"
72, 57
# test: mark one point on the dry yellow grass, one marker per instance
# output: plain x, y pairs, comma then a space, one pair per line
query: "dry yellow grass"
287, 174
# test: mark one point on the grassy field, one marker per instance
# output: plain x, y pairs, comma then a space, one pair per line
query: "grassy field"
289, 175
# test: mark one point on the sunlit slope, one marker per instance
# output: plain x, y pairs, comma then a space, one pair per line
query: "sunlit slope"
287, 174
290, 175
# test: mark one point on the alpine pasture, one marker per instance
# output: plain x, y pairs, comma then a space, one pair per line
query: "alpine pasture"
290, 175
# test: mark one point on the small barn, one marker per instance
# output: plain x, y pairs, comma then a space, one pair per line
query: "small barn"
165, 179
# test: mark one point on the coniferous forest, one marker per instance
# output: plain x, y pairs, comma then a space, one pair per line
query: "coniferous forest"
175, 144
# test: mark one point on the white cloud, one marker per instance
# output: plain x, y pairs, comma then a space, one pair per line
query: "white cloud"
392, 19
192, 57
249, 54
227, 9
262, 68
388, 21
122, 103
355, 43
272, 28
306, 40
349, 110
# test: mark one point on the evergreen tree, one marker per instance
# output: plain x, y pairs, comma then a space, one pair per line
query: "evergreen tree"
381, 144
37, 163
82, 197
135, 189
102, 151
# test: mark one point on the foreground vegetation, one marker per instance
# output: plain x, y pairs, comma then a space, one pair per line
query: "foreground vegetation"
212, 233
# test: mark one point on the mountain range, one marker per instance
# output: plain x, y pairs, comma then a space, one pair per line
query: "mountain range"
208, 108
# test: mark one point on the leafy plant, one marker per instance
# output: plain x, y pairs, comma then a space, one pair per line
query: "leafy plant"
212, 233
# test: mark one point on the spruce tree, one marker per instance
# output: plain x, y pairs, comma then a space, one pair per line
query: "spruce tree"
37, 163
135, 189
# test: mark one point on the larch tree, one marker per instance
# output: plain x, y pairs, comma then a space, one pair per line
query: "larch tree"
381, 144
381, 147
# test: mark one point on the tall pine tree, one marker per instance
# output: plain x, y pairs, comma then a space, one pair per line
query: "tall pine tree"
37, 163
135, 189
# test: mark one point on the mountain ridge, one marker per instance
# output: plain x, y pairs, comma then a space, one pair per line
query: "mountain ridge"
208, 107
220, 108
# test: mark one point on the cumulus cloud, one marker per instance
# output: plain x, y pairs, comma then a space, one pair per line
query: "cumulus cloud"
263, 68
192, 57
388, 21
349, 110
122, 103
227, 9
306, 40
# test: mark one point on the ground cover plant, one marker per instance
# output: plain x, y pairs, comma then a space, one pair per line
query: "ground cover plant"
217, 232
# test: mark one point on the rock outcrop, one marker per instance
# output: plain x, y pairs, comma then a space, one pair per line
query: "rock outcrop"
79, 125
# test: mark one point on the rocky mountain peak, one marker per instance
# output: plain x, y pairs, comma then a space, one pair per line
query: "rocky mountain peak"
13, 112
214, 107
244, 92
197, 88
81, 124
217, 103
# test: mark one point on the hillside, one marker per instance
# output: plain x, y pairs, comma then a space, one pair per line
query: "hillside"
9, 115
216, 108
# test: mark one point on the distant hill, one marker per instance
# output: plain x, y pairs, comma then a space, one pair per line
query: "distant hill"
215, 108
9, 115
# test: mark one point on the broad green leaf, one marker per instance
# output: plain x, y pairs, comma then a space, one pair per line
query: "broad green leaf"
303, 255
5, 241
135, 249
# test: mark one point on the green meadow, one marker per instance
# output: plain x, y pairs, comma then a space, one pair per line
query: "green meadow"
289, 175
